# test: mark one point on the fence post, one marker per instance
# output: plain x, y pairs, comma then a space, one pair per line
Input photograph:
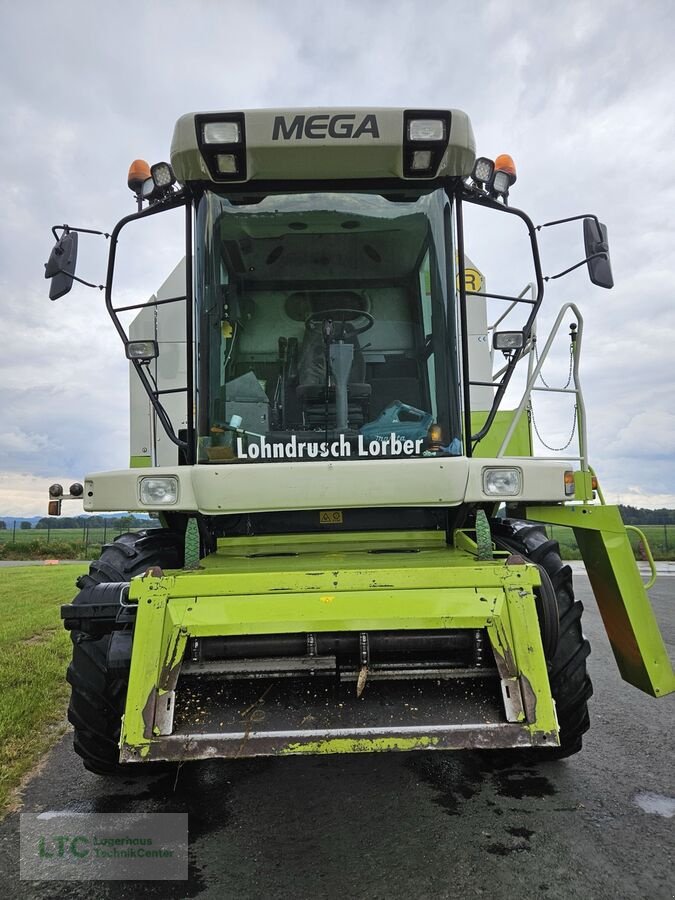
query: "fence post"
14, 532
665, 535
105, 529
49, 528
86, 537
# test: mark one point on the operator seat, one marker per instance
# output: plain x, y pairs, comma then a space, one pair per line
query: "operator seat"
312, 376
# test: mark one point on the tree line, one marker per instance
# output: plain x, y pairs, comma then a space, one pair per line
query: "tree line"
124, 522
632, 515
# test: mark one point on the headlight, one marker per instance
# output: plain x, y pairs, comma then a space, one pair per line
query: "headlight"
143, 351
426, 130
162, 175
161, 490
502, 482
227, 162
483, 169
508, 340
501, 182
221, 133
421, 159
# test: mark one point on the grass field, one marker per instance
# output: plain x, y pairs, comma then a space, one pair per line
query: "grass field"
34, 653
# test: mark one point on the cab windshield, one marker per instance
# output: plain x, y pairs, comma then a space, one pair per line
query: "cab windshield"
326, 328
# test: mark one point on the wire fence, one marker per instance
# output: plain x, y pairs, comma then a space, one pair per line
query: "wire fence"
85, 536
90, 538
661, 540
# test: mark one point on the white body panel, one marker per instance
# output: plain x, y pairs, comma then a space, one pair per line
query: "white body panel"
166, 325
266, 487
480, 355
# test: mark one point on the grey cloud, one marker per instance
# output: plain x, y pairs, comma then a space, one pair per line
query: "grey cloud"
580, 94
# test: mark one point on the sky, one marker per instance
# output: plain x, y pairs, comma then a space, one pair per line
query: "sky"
579, 94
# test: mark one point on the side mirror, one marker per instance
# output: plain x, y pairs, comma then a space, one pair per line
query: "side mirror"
61, 265
597, 253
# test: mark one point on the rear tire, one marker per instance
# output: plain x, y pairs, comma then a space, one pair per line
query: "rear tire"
570, 684
98, 691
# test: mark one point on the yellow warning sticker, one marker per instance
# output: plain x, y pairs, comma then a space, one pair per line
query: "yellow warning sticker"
330, 517
473, 280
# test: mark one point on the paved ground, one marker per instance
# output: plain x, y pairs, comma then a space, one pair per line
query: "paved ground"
600, 825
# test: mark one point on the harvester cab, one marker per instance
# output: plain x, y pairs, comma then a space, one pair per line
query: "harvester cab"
351, 554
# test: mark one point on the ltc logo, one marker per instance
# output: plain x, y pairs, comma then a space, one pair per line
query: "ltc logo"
319, 127
64, 845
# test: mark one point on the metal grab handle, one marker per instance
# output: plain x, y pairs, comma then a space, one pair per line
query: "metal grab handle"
648, 551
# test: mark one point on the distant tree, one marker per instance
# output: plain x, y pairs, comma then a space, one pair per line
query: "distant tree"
638, 516
3, 525
26, 526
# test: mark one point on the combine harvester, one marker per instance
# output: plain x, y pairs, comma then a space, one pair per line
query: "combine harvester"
352, 554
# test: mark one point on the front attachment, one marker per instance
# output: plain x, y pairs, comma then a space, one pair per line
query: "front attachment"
427, 654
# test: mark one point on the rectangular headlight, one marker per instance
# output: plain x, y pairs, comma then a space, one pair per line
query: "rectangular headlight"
143, 351
421, 159
426, 130
160, 490
508, 340
221, 133
502, 481
227, 162
162, 175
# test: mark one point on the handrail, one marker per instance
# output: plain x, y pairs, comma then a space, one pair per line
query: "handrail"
648, 553
533, 375
175, 202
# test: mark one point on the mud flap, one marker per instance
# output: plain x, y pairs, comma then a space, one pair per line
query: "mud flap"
624, 605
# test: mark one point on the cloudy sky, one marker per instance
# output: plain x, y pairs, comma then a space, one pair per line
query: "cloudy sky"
579, 93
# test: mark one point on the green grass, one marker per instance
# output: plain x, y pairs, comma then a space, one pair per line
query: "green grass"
34, 653
661, 540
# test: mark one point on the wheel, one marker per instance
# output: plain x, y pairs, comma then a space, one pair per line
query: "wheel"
132, 554
96, 703
343, 315
570, 685
98, 673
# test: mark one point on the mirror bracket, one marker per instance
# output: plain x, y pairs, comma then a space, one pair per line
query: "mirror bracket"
66, 229
601, 255
60, 267
596, 247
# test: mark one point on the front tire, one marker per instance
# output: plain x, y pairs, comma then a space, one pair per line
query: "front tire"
570, 684
98, 673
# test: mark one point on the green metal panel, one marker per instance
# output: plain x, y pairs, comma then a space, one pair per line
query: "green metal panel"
521, 440
622, 599
332, 588
140, 462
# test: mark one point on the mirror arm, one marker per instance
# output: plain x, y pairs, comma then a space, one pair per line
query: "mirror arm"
101, 287
67, 228
583, 262
570, 219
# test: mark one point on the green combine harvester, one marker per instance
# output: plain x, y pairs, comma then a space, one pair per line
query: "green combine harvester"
351, 554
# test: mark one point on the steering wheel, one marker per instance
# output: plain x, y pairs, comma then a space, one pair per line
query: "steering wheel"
344, 316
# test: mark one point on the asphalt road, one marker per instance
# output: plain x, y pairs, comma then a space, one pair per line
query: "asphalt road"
413, 825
